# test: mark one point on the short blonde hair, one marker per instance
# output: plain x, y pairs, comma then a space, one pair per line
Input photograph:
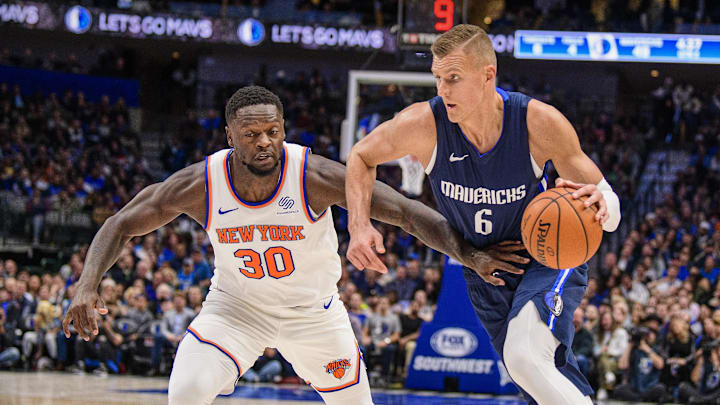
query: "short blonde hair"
470, 38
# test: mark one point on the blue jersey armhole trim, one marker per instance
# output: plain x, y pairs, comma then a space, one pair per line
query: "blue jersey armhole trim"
306, 201
207, 194
504, 94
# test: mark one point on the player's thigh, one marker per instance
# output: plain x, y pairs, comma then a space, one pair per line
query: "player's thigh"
321, 347
200, 372
241, 331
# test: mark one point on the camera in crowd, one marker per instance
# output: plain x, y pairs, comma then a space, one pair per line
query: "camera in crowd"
708, 347
638, 334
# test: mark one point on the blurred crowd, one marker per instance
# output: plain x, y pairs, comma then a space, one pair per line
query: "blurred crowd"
649, 326
103, 61
157, 287
609, 15
66, 154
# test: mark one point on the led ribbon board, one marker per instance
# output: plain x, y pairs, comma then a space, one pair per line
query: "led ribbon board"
617, 47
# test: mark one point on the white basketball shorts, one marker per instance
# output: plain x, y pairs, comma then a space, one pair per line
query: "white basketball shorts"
317, 340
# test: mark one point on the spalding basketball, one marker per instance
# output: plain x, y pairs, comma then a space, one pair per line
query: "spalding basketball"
559, 231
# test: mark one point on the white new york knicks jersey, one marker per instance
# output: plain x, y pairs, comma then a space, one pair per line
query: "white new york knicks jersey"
276, 252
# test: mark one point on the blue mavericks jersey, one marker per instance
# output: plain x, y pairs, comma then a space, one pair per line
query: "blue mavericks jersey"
484, 195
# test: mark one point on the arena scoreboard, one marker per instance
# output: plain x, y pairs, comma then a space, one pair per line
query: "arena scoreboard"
617, 47
422, 21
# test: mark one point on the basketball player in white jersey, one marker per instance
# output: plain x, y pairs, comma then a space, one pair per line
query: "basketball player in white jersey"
264, 204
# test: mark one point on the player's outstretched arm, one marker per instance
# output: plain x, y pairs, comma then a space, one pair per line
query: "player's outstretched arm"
151, 208
327, 187
412, 131
552, 137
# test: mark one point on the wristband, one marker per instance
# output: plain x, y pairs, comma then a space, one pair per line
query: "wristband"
613, 206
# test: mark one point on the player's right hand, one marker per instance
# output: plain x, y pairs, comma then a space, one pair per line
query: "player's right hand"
488, 261
82, 312
365, 243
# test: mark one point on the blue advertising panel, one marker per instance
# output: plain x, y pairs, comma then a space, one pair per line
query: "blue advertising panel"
617, 47
94, 87
454, 351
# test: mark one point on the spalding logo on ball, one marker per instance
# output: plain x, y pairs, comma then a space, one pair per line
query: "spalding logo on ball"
559, 231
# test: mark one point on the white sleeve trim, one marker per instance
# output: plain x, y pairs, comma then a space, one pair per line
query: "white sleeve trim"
431, 163
536, 169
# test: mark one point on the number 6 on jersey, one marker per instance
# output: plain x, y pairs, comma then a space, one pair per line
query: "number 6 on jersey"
483, 226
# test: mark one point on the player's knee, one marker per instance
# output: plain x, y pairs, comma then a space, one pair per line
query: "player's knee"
189, 388
518, 355
517, 361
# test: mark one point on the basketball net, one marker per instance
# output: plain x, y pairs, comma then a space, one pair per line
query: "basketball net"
413, 175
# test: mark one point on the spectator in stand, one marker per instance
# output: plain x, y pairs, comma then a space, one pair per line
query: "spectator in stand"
592, 319
644, 359
108, 293
358, 309
414, 271
201, 269
122, 272
704, 385
267, 368
710, 271
100, 351
679, 348
186, 275
410, 324
172, 328
583, 343
431, 283
137, 330
163, 298
669, 284
195, 299
139, 316
212, 122
402, 284
9, 354
46, 324
21, 311
373, 288
634, 290
426, 311
611, 343
380, 338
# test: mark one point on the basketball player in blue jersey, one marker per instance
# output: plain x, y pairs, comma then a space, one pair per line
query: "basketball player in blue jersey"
483, 149
263, 203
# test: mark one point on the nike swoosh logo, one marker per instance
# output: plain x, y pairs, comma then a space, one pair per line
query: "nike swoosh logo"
328, 304
454, 158
220, 211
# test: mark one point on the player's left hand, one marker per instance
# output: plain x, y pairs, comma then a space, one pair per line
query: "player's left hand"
594, 196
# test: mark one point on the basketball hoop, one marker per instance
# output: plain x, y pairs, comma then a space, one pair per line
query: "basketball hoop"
413, 176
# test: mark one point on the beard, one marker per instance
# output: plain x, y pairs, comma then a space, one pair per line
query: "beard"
262, 172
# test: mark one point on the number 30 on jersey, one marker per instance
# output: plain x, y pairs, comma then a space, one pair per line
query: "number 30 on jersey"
482, 224
278, 262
